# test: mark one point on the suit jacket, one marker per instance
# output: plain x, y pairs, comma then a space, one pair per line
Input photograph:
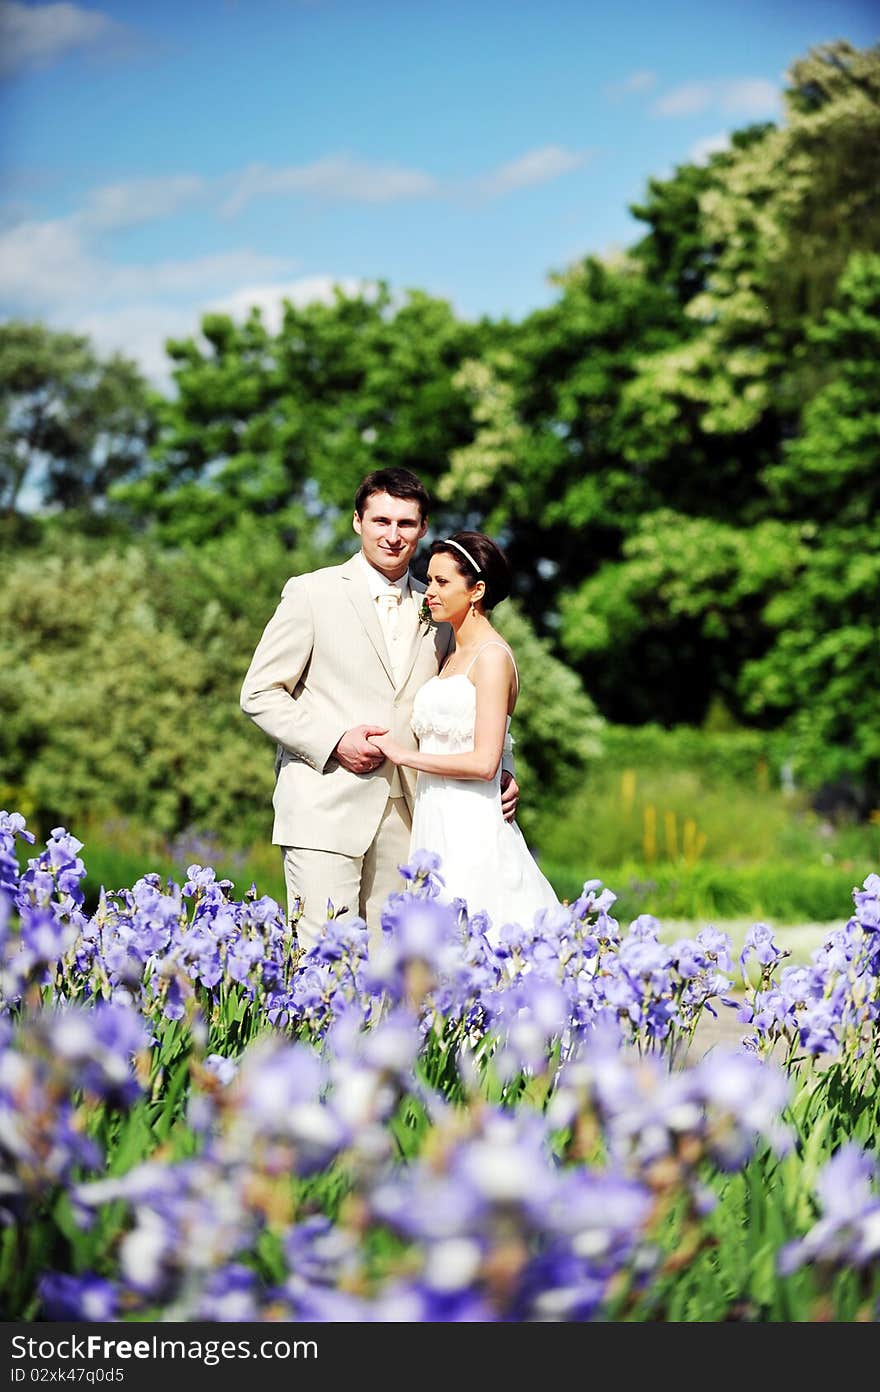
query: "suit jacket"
320, 668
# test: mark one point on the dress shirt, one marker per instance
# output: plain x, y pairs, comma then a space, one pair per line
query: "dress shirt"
388, 596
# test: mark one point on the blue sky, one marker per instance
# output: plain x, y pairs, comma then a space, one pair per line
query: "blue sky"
159, 159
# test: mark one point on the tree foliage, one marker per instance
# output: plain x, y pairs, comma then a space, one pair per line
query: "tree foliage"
284, 426
71, 425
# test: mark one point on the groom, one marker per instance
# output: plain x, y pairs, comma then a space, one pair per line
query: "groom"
341, 659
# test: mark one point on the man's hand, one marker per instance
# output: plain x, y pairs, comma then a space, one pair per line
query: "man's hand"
509, 795
355, 752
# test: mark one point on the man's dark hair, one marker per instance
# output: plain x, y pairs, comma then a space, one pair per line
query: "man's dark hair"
400, 483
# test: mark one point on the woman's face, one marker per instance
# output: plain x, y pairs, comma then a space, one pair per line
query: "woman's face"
448, 595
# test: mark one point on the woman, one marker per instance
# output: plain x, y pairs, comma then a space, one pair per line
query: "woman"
462, 720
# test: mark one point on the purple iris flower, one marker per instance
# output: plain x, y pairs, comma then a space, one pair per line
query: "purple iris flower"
760, 944
771, 1013
45, 935
230, 1295
423, 872
223, 1069
589, 901
58, 870
13, 824
867, 902
417, 930
319, 1252
689, 957
744, 1099
839, 949
203, 878
85, 1297
98, 1044
848, 1232
345, 936
175, 998
242, 958
718, 947
421, 1302
819, 1024
645, 926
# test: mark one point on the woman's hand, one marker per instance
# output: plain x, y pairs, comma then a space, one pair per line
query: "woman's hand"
392, 751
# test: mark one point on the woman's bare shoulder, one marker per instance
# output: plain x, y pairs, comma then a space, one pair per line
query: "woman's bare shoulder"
494, 658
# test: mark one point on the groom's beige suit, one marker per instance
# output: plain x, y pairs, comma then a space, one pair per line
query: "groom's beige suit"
321, 668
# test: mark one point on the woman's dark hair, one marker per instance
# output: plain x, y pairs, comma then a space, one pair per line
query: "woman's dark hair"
400, 483
482, 552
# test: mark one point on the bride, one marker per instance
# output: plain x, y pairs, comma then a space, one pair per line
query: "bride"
462, 720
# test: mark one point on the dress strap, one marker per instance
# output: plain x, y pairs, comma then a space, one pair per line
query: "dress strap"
493, 643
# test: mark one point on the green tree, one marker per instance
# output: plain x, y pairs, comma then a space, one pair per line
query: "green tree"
734, 437
284, 426
556, 728
676, 252
546, 468
830, 471
820, 674
782, 618
107, 708
819, 677
660, 631
71, 424
781, 220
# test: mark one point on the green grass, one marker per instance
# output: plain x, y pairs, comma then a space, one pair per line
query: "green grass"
698, 842
776, 891
694, 828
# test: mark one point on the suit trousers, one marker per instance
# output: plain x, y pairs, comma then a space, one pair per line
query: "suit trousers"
361, 884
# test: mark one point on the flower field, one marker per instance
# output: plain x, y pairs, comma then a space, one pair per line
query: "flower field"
201, 1122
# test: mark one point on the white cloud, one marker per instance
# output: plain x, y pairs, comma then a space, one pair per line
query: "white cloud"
63, 269
745, 96
136, 201
49, 270
336, 178
534, 167
194, 273
751, 96
700, 151
34, 36
269, 298
137, 330
45, 266
686, 100
140, 330
42, 263
341, 178
641, 81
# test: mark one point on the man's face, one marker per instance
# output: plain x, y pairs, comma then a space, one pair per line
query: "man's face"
390, 530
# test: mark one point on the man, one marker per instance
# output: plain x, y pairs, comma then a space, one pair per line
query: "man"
342, 658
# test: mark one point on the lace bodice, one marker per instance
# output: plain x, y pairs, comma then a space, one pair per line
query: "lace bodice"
444, 714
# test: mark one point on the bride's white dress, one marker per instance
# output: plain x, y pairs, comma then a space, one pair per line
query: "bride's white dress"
484, 859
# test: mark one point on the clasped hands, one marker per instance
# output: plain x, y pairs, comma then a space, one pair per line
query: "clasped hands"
363, 748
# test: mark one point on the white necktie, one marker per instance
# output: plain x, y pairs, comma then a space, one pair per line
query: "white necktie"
389, 608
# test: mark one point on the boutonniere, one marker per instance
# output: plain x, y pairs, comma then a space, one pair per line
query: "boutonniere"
426, 618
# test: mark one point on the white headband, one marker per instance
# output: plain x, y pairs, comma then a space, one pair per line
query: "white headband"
447, 541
